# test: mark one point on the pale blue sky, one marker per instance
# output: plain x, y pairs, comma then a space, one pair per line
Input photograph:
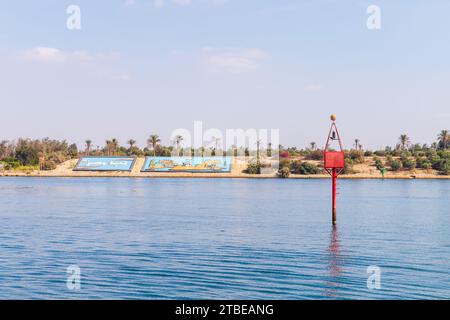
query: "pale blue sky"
136, 68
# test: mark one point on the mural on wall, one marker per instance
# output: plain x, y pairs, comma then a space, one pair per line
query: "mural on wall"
187, 164
105, 164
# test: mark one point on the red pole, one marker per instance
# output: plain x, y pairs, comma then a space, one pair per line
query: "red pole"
334, 178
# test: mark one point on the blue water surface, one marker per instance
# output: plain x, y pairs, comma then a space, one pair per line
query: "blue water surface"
223, 238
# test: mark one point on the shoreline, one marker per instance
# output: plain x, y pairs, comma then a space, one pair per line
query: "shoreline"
215, 176
65, 170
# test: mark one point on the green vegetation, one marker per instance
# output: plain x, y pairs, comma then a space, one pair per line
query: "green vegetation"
348, 168
305, 168
284, 172
253, 168
395, 165
47, 154
27, 154
313, 155
407, 162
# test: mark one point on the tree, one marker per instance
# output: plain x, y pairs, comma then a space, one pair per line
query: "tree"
216, 141
3, 149
313, 146
404, 141
72, 150
269, 149
131, 142
114, 146
27, 151
88, 146
443, 138
258, 158
152, 142
178, 141
356, 144
108, 147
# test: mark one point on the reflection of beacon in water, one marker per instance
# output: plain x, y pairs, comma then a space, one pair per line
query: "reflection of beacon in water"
335, 265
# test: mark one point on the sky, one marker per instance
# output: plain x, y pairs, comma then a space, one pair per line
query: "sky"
138, 67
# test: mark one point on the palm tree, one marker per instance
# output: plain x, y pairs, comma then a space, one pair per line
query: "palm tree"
178, 140
115, 145
131, 142
258, 160
88, 146
216, 144
356, 144
152, 142
108, 147
313, 145
269, 149
404, 141
444, 138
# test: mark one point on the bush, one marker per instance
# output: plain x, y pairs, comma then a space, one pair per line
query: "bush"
445, 154
314, 155
399, 152
426, 165
253, 168
285, 155
348, 169
284, 172
396, 165
368, 153
355, 156
49, 165
445, 170
379, 164
419, 154
443, 166
423, 163
304, 168
284, 163
26, 168
389, 160
407, 163
295, 165
380, 153
11, 163
434, 160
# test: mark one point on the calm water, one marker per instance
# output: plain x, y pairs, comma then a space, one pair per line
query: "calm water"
223, 239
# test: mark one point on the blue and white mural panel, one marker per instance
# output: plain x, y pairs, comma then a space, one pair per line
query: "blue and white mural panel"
187, 164
105, 164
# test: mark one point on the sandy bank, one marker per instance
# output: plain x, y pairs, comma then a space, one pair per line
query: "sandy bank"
362, 171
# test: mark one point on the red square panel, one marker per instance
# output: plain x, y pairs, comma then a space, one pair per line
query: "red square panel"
334, 159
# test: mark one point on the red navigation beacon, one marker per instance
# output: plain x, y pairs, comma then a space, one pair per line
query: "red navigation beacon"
333, 161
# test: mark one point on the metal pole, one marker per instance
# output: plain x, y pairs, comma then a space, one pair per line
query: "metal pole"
334, 178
